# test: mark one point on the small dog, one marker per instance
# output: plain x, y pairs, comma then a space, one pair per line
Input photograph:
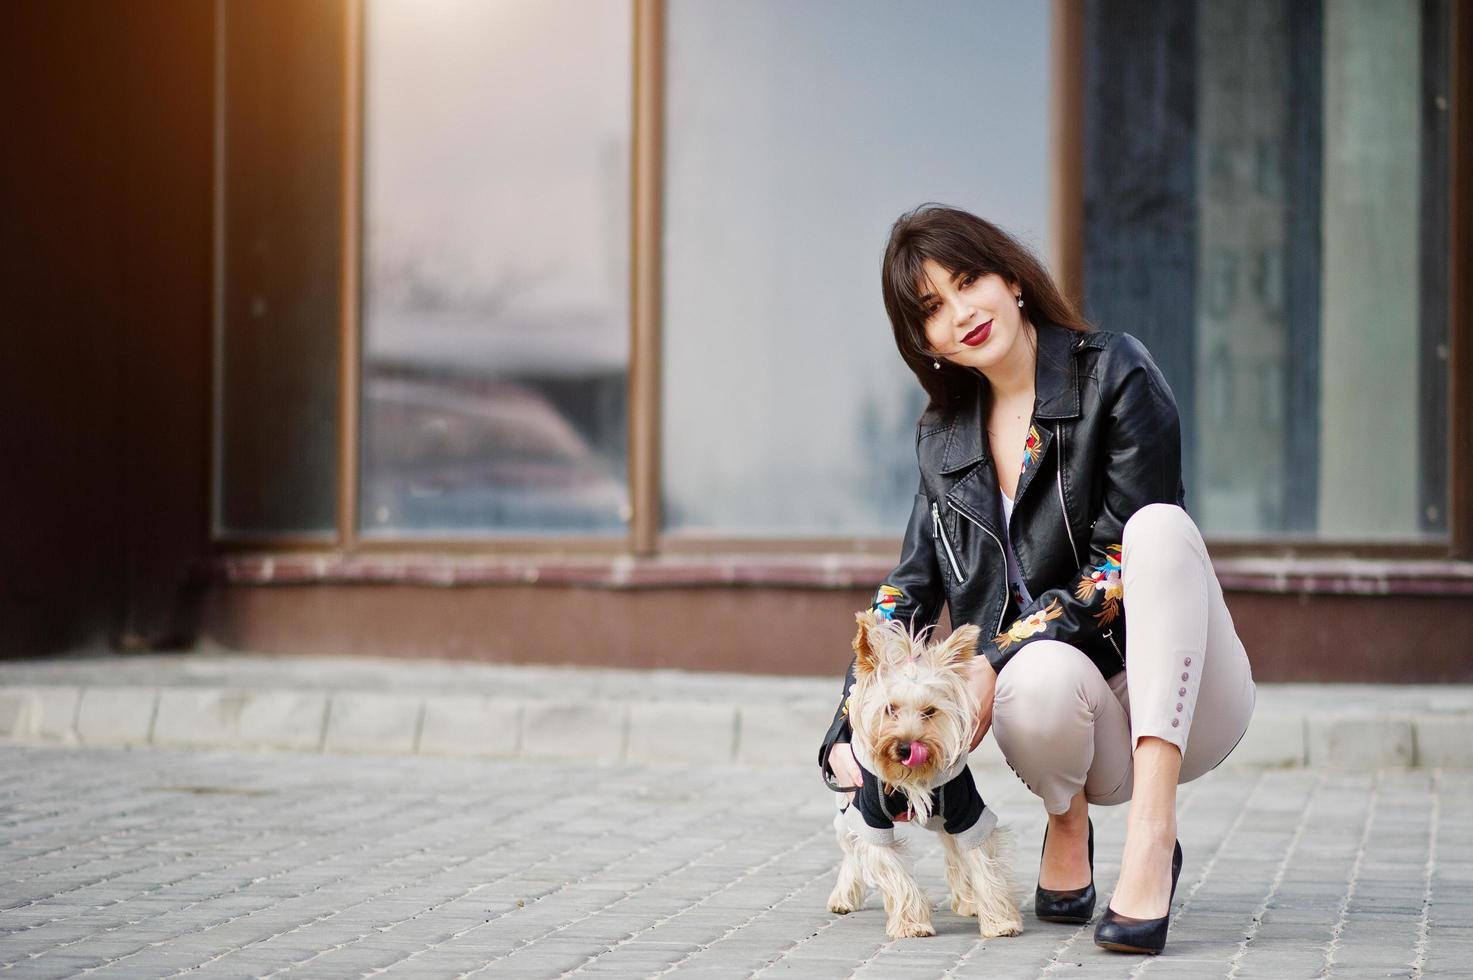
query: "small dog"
913, 717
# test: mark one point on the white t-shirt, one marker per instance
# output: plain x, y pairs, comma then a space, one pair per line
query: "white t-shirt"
1015, 577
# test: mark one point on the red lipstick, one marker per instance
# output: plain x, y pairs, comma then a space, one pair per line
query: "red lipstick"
978, 335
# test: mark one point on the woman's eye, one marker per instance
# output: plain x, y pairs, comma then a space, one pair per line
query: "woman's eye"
968, 280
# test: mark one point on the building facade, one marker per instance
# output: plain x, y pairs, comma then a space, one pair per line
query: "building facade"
551, 331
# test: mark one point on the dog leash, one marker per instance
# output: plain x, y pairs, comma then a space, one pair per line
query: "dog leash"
833, 784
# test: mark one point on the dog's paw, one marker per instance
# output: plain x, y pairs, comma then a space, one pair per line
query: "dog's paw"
963, 907
1000, 928
840, 906
909, 930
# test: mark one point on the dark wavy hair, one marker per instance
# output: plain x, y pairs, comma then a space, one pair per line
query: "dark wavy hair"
960, 243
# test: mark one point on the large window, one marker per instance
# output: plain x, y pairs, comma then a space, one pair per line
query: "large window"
795, 134
459, 239
495, 267
1268, 211
494, 324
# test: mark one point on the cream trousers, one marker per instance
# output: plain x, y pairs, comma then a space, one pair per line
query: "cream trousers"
1063, 727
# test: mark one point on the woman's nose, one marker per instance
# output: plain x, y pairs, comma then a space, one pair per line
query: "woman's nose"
961, 311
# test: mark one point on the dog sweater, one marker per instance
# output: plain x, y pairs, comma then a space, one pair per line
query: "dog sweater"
956, 807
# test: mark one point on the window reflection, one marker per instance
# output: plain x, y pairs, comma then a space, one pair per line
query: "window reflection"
495, 313
796, 133
1309, 302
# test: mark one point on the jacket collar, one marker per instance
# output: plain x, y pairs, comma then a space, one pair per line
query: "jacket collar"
1055, 396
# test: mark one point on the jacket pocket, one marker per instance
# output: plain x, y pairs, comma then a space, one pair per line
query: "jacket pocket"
947, 555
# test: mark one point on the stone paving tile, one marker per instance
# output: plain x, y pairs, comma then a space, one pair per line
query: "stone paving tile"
215, 863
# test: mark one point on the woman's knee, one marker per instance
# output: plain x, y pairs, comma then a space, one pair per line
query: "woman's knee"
1041, 690
1162, 538
1161, 520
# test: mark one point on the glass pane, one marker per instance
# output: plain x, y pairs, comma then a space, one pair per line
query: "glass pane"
1369, 443
1317, 391
496, 267
1243, 176
277, 342
796, 133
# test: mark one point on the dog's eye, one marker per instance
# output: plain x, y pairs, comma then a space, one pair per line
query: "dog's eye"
891, 709
927, 712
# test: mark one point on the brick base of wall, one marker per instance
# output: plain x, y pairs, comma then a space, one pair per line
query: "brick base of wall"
1290, 636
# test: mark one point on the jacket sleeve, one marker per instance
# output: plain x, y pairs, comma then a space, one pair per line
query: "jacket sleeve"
1140, 464
912, 593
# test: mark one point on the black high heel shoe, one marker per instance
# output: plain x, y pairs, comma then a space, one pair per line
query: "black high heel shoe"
1125, 934
1072, 905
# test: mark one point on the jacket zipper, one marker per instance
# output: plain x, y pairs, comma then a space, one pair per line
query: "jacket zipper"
1059, 479
1001, 553
940, 532
1064, 509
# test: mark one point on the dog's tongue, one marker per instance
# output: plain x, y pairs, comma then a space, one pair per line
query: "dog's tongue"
918, 755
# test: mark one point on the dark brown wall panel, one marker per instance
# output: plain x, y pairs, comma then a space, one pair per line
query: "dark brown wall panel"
104, 316
166, 310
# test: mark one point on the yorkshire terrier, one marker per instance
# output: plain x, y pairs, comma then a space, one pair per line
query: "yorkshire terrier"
913, 717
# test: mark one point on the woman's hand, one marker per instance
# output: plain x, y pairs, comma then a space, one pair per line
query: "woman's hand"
845, 767
847, 772
983, 685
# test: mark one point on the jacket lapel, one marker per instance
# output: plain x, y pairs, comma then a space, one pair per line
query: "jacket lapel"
1055, 397
975, 495
971, 484
964, 443
1056, 374
973, 488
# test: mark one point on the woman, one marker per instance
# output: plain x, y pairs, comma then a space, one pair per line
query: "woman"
1050, 513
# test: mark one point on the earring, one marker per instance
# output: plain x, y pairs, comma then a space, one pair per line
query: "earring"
936, 365
1020, 302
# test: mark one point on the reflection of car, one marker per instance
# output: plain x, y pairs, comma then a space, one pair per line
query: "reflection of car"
455, 453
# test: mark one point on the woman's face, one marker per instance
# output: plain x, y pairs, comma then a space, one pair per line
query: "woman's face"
971, 320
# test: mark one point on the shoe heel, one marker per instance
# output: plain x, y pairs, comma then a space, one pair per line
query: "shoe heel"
1124, 934
1074, 906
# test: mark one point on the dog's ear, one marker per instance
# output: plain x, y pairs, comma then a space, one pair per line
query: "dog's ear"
866, 661
959, 647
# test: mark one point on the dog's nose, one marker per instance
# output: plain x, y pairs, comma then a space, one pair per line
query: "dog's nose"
913, 754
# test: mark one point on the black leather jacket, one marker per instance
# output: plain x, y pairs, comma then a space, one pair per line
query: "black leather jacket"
1104, 441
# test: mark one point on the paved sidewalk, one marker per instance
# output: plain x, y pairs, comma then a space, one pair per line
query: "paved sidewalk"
446, 708
166, 862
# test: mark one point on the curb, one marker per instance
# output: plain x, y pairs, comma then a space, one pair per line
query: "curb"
593, 730
613, 731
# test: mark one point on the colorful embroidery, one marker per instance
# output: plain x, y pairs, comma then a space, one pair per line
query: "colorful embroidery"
885, 600
1105, 578
1030, 626
1032, 449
